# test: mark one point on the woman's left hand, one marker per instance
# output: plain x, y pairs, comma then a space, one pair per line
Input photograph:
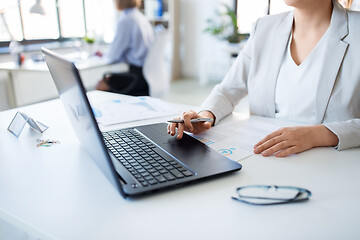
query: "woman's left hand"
290, 140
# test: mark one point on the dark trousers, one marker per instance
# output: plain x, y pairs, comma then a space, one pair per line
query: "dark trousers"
129, 83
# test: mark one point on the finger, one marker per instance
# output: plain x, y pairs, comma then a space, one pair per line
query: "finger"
193, 114
168, 128
287, 152
268, 137
187, 117
181, 127
268, 144
206, 125
173, 129
280, 146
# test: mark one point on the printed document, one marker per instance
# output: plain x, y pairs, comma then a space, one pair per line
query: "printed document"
236, 139
112, 109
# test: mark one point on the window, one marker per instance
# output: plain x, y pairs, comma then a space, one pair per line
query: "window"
36, 26
72, 21
10, 12
62, 19
98, 16
248, 11
278, 6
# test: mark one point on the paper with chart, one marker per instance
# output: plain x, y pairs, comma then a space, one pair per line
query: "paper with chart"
236, 139
122, 109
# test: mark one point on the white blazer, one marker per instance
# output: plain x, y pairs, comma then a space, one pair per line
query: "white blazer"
256, 69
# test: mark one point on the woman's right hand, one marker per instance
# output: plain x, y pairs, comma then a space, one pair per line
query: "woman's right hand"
197, 127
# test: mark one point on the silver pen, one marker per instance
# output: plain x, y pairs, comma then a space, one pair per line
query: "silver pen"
194, 120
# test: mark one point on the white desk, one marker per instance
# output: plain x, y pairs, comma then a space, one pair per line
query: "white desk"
59, 193
31, 82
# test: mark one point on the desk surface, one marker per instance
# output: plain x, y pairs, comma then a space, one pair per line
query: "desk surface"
59, 193
30, 65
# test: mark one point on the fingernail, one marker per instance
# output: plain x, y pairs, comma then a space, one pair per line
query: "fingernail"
264, 153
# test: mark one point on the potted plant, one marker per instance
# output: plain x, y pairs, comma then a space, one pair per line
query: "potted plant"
90, 44
224, 26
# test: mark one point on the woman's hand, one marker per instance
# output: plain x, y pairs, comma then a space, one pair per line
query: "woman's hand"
290, 140
198, 127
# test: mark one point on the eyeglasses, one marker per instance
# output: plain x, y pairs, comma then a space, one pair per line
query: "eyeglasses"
271, 195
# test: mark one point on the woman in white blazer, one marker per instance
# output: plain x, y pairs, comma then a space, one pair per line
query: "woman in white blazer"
303, 66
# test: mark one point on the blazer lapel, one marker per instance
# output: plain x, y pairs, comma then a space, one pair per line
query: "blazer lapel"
281, 39
336, 49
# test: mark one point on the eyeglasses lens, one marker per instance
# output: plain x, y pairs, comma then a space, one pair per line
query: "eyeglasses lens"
270, 194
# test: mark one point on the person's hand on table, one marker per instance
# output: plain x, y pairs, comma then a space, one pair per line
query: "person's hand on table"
291, 140
197, 127
103, 85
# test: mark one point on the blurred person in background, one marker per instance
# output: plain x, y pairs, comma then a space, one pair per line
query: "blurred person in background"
133, 38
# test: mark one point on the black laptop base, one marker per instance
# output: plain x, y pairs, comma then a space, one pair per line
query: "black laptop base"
146, 165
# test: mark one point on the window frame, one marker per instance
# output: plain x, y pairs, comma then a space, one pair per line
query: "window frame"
27, 42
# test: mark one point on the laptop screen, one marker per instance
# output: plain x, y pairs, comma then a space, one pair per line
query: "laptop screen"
73, 96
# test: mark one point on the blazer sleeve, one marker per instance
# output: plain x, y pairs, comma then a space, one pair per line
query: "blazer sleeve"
348, 133
224, 97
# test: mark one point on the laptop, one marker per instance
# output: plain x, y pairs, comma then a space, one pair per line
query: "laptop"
136, 160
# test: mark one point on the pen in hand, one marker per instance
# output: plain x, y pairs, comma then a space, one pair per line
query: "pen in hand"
194, 120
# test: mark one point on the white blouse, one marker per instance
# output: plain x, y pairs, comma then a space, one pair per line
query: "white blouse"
297, 85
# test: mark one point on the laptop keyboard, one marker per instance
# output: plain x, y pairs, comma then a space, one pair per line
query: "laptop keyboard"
139, 157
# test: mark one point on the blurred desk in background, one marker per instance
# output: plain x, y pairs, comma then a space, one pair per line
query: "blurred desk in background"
31, 82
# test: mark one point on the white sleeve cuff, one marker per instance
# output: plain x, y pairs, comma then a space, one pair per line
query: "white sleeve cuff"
348, 133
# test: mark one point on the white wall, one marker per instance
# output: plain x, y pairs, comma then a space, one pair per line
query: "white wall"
3, 92
199, 50
4, 104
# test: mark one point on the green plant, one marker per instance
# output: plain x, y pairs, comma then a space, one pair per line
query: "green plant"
89, 40
224, 26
